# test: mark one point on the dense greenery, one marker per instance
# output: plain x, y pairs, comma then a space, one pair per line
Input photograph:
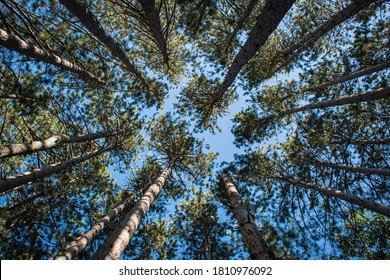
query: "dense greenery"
104, 107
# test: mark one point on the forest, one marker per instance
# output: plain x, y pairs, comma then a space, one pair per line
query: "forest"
194, 130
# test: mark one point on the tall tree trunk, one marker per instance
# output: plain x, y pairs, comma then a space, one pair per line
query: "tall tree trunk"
269, 19
17, 44
113, 247
49, 143
18, 181
307, 42
151, 13
376, 94
365, 203
74, 248
379, 67
359, 169
258, 248
87, 18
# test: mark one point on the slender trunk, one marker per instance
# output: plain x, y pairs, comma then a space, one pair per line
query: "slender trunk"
307, 42
359, 169
256, 245
113, 247
365, 203
49, 143
17, 44
354, 75
18, 181
269, 19
149, 7
74, 248
376, 94
88, 19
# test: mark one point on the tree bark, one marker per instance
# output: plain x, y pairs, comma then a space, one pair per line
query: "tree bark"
17, 44
49, 143
149, 7
256, 245
74, 248
114, 245
365, 203
269, 19
88, 19
376, 94
354, 75
18, 181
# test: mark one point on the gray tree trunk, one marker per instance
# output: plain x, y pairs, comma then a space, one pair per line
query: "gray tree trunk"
255, 243
17, 44
269, 19
74, 248
365, 203
18, 181
49, 143
114, 245
82, 12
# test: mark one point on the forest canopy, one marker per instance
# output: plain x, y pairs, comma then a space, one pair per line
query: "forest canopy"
107, 109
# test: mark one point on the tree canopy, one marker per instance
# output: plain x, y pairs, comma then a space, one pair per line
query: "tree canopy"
107, 109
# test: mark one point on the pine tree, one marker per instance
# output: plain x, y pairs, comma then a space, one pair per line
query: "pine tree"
103, 105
